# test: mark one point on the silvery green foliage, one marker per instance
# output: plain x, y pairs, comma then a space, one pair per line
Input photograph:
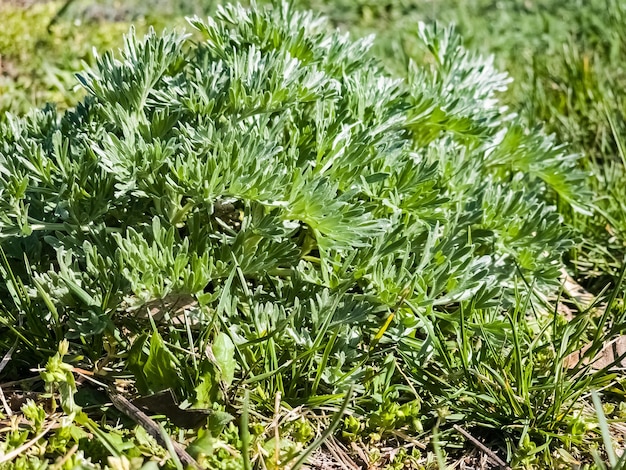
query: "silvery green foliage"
275, 172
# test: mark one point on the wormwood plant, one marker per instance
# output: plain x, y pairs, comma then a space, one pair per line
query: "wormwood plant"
262, 207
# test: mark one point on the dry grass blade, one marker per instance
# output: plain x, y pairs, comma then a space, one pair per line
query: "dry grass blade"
7, 356
339, 452
59, 464
24, 447
323, 460
5, 404
3, 364
492, 455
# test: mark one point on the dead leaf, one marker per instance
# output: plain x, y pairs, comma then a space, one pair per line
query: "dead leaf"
575, 291
613, 353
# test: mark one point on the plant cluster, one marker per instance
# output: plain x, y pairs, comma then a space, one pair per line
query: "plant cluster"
264, 214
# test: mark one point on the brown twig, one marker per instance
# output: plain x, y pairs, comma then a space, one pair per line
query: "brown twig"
491, 454
151, 427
